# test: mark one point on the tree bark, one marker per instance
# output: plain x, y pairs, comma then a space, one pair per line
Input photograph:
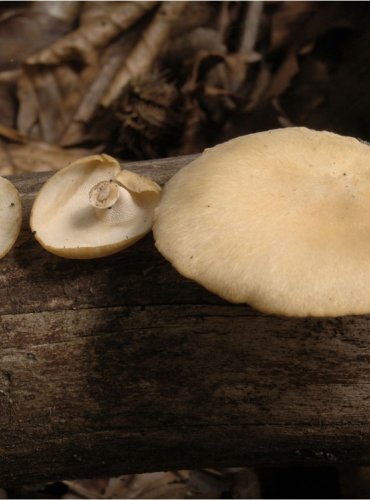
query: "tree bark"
121, 365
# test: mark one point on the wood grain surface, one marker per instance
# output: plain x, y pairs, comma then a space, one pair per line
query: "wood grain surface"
121, 365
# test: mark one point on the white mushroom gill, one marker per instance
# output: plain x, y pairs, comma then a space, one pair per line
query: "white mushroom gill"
83, 211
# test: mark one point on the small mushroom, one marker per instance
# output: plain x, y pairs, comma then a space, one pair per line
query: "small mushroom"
92, 209
279, 220
10, 215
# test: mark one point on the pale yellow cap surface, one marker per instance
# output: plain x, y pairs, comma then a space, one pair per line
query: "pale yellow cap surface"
279, 220
66, 224
10, 215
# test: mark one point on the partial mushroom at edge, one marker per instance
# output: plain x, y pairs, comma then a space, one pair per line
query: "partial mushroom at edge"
10, 216
279, 220
93, 209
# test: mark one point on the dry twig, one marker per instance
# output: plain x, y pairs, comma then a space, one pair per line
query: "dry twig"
252, 23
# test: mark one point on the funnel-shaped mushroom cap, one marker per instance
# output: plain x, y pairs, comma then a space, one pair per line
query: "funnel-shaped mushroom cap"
278, 219
10, 215
85, 210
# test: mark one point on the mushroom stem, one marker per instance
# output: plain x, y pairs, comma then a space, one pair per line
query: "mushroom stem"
104, 194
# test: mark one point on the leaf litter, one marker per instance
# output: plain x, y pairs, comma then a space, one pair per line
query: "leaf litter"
206, 483
146, 79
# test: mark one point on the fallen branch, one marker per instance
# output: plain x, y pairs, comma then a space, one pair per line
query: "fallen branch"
121, 365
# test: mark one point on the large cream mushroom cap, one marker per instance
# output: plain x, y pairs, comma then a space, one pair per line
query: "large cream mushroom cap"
279, 220
10, 215
65, 219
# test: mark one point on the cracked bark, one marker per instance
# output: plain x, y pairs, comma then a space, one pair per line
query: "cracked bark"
120, 365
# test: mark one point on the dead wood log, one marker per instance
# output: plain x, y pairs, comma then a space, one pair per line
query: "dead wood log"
120, 365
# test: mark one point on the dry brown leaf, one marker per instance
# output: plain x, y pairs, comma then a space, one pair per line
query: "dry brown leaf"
148, 118
27, 119
36, 157
206, 483
204, 63
100, 23
217, 76
288, 82
155, 485
171, 491
87, 488
8, 104
211, 484
309, 91
244, 482
10, 76
52, 114
56, 101
192, 140
31, 27
117, 486
178, 55
110, 61
194, 15
261, 85
146, 51
183, 50
47, 98
151, 485
12, 134
322, 20
215, 81
281, 80
287, 21
301, 24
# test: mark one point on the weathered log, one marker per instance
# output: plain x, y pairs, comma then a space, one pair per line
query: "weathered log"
120, 365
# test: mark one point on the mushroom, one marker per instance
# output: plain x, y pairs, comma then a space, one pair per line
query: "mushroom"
279, 220
10, 215
92, 209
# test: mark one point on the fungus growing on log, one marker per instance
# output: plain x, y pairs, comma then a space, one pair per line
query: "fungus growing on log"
10, 216
279, 220
93, 209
